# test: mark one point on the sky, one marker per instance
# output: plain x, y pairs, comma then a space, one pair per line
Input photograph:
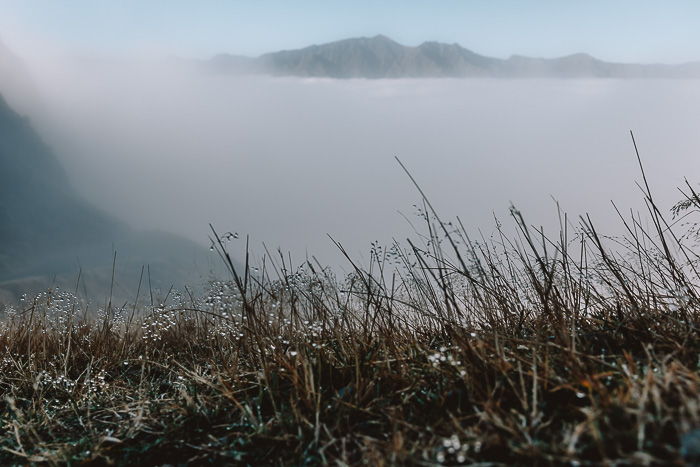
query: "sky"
620, 30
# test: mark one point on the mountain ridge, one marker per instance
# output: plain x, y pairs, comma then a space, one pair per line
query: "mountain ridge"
380, 57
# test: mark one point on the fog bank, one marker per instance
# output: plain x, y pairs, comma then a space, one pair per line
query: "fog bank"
289, 160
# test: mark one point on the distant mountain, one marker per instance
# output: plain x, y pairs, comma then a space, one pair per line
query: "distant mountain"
48, 233
380, 58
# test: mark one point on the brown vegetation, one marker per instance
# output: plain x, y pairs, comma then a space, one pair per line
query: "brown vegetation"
520, 351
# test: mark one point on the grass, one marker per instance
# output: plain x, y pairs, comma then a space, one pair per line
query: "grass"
521, 350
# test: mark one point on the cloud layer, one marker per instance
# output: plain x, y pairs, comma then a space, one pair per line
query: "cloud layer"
289, 160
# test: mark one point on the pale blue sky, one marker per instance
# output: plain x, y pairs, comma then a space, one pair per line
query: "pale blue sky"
615, 30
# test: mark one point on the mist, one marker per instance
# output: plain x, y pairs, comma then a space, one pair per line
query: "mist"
290, 161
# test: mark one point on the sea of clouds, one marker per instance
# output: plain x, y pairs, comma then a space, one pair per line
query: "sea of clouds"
290, 161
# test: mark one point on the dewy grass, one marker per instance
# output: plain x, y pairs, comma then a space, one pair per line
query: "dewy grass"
518, 351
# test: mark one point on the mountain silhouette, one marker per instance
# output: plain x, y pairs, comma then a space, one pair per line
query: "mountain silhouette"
49, 234
40, 212
382, 58
16, 84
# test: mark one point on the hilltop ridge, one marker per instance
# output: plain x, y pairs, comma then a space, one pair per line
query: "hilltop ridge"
380, 57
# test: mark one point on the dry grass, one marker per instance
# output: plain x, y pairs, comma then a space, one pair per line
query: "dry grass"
516, 351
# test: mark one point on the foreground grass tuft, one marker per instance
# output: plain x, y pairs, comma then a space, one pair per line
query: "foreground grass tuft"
520, 351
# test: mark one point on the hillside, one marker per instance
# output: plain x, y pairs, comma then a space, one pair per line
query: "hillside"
48, 233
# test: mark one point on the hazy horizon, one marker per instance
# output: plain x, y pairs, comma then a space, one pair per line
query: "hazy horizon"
629, 31
292, 160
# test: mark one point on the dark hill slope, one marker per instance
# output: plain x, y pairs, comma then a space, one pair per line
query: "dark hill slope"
16, 83
48, 233
42, 217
